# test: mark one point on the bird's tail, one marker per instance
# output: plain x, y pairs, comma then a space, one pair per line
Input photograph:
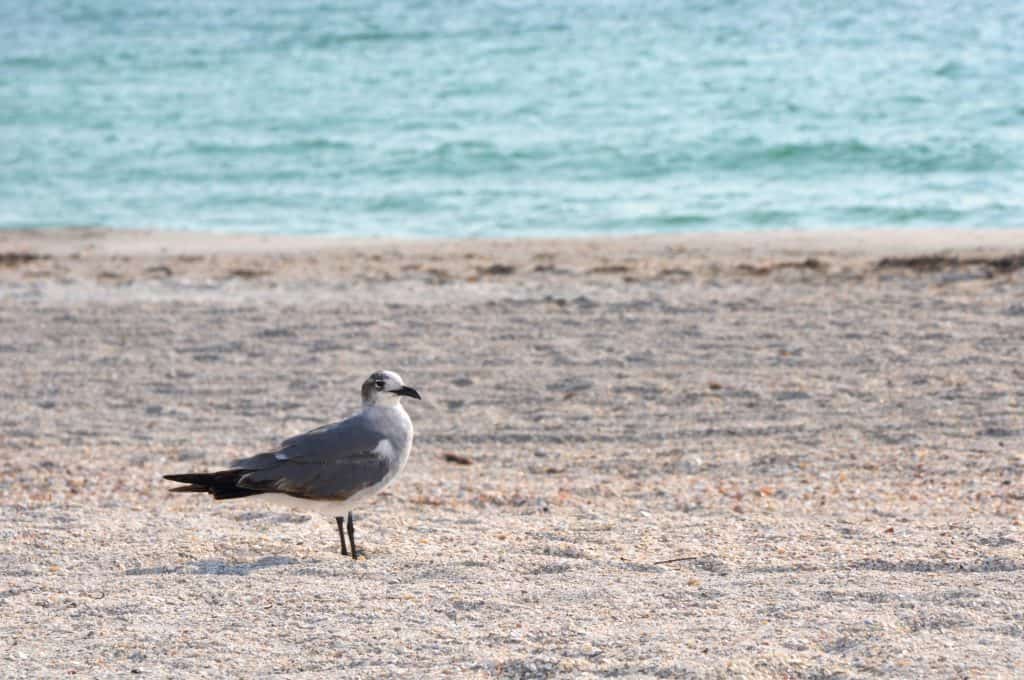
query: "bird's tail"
221, 485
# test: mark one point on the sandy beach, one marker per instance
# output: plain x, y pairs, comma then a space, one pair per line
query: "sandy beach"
743, 455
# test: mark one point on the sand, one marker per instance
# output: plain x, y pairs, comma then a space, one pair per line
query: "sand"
826, 431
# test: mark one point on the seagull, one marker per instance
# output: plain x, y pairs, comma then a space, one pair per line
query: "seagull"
330, 469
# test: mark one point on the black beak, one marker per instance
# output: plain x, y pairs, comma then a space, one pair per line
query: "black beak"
407, 392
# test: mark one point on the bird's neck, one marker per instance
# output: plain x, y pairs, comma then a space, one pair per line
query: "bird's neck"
389, 416
384, 407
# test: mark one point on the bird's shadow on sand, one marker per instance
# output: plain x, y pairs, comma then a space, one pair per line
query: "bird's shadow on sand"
215, 567
276, 517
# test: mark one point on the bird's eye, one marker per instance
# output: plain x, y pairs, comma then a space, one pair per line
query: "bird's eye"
379, 384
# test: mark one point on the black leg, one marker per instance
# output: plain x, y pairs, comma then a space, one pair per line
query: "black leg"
351, 534
341, 533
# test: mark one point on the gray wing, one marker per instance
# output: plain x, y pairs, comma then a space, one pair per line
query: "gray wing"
334, 461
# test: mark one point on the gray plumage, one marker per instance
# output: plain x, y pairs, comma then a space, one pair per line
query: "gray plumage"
332, 462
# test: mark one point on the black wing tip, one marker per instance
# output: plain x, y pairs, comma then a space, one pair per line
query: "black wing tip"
221, 485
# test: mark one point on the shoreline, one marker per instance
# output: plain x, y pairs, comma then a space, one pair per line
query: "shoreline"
118, 257
64, 240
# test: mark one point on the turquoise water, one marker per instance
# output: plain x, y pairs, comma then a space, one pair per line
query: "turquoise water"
454, 118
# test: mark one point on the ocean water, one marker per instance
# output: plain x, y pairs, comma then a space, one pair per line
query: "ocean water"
490, 118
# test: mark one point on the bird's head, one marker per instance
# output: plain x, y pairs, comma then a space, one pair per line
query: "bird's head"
386, 388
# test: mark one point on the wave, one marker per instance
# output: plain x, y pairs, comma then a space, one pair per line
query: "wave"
903, 215
857, 156
326, 40
298, 146
334, 39
29, 62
